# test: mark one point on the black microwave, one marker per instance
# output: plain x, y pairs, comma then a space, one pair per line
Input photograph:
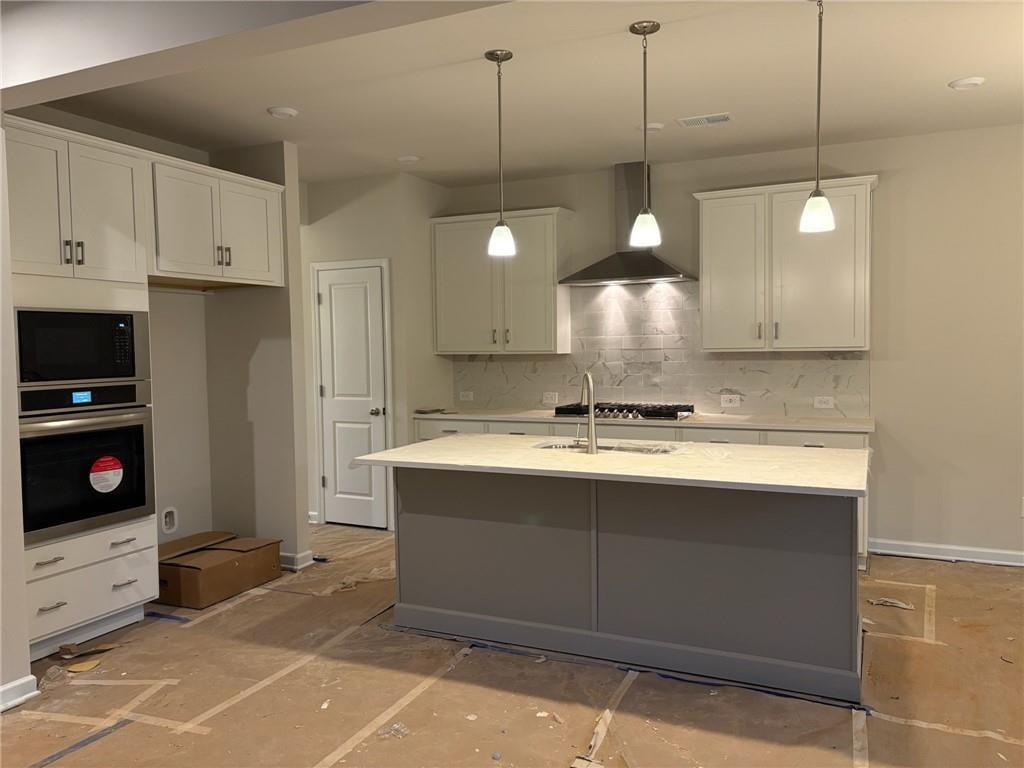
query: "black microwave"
57, 346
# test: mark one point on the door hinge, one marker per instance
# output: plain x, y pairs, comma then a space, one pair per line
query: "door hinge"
321, 390
323, 481
319, 298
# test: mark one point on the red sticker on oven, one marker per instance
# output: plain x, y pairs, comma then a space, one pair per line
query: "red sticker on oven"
106, 473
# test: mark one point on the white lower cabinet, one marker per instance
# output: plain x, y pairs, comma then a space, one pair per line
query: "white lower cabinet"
518, 428
75, 597
700, 435
68, 554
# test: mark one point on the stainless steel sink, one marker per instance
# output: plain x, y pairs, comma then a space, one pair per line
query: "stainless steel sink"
581, 447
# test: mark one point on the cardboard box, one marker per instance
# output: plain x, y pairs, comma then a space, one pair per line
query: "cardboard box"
200, 570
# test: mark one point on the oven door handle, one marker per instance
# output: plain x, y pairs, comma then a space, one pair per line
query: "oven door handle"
47, 425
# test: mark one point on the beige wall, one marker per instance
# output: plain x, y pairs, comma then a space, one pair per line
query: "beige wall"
946, 377
181, 427
375, 218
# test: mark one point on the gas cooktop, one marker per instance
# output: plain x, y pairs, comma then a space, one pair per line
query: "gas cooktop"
628, 410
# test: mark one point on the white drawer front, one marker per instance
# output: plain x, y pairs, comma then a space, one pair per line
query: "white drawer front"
816, 439
745, 436
62, 601
57, 557
428, 429
517, 428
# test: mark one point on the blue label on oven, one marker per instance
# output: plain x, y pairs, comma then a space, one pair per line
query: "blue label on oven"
81, 398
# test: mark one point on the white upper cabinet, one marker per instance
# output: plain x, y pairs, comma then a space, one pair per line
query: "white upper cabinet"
767, 286
486, 305
108, 214
76, 210
39, 204
733, 264
209, 226
820, 281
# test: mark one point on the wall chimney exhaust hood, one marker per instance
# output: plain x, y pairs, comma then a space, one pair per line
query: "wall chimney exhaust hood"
627, 265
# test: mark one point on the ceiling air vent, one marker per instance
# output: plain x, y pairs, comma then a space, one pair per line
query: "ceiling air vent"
693, 122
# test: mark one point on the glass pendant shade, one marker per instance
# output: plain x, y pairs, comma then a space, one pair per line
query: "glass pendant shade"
501, 243
817, 215
645, 232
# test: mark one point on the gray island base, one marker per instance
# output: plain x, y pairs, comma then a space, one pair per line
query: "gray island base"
756, 587
729, 562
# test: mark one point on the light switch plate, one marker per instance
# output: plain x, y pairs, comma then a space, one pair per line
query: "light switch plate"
550, 398
731, 401
824, 402
466, 395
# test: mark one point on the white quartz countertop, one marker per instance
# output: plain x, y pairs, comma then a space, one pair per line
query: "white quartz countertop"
710, 420
815, 471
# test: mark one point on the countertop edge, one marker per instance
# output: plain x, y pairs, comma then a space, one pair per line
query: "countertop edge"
695, 483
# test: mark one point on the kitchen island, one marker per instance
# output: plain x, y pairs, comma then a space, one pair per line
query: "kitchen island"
735, 562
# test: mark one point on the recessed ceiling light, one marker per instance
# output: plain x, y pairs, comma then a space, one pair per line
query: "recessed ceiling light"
408, 159
966, 83
282, 113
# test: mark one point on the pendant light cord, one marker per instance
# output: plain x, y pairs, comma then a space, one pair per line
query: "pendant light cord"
643, 128
501, 167
817, 126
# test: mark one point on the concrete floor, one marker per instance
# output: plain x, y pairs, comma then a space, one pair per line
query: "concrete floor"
305, 672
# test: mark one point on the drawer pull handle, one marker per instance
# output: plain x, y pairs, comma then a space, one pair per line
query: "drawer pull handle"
450, 431
51, 561
121, 584
119, 542
723, 442
517, 433
814, 445
54, 607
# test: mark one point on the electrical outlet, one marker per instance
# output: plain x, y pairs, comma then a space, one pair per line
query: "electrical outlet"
731, 401
550, 398
466, 395
824, 402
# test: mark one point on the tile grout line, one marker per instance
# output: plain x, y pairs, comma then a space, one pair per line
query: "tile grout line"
978, 734
259, 686
371, 727
860, 739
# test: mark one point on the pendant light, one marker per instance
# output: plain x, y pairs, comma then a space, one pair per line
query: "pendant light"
645, 232
501, 242
817, 215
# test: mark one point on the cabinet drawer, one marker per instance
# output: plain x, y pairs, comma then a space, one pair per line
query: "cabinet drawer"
60, 556
429, 429
816, 439
517, 428
68, 599
745, 436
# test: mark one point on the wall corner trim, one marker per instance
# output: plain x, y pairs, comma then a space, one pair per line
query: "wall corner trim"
296, 562
946, 552
17, 692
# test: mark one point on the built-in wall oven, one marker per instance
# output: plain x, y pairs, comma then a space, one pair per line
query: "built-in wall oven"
86, 423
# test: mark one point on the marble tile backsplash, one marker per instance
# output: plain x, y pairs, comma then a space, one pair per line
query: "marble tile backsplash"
643, 343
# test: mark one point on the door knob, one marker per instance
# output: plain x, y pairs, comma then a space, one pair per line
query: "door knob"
375, 411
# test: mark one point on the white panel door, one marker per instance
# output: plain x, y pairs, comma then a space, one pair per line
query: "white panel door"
732, 272
108, 213
250, 220
820, 280
39, 203
466, 284
187, 222
351, 320
530, 286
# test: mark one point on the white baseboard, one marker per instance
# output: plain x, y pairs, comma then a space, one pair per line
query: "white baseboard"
296, 562
946, 552
17, 692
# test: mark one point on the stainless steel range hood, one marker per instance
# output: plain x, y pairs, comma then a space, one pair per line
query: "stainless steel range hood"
627, 265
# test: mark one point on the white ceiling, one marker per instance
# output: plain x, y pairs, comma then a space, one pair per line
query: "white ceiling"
572, 97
